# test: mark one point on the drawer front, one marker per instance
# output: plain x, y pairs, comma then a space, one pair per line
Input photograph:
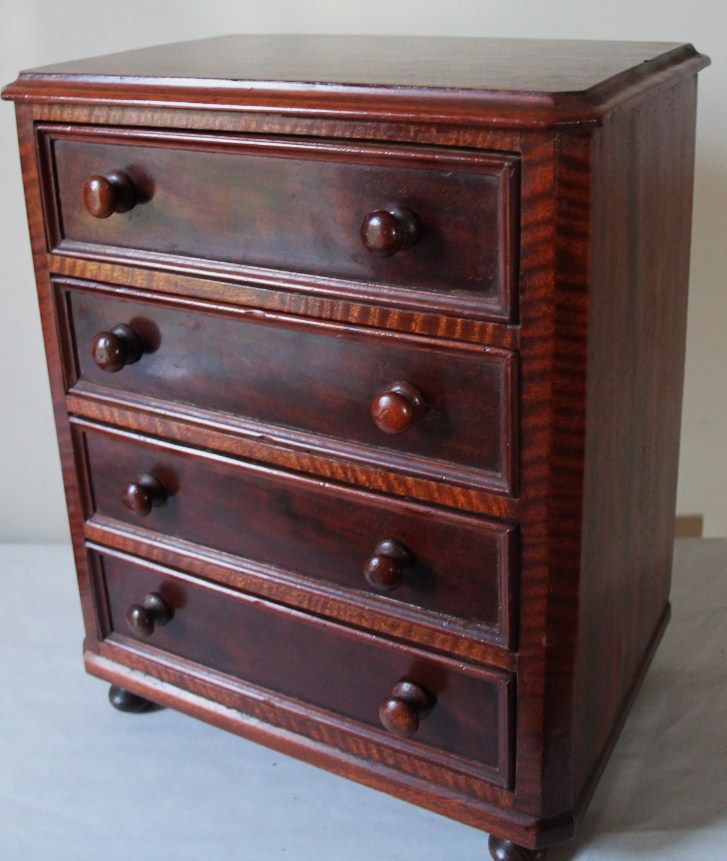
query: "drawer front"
318, 383
345, 672
441, 562
301, 207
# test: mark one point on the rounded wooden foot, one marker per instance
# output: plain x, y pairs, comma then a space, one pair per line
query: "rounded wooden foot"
504, 850
125, 701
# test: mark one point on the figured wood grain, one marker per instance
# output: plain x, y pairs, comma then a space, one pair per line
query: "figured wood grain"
314, 379
315, 737
613, 346
397, 621
418, 130
223, 434
239, 636
603, 137
645, 162
73, 493
566, 464
460, 565
520, 83
295, 206
538, 236
282, 293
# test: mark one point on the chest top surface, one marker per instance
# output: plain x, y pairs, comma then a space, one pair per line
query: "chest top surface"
538, 82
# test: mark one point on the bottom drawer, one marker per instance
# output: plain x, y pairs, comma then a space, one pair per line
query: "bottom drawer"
431, 702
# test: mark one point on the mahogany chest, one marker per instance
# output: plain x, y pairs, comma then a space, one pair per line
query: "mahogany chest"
367, 358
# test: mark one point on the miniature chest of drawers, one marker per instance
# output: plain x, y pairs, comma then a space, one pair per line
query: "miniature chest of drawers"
367, 358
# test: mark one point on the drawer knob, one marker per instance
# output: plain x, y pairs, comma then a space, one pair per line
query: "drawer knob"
145, 493
386, 231
402, 710
152, 612
105, 195
386, 568
113, 350
397, 408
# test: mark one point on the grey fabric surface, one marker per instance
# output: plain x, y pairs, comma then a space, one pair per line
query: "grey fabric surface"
81, 782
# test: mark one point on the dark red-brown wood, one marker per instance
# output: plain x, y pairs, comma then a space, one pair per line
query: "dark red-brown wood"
527, 83
506, 850
148, 616
241, 637
457, 566
320, 381
114, 350
397, 408
143, 494
125, 701
388, 565
547, 294
402, 711
641, 241
387, 231
112, 193
292, 206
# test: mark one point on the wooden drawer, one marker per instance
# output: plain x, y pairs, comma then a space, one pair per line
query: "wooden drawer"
299, 207
317, 383
309, 660
440, 562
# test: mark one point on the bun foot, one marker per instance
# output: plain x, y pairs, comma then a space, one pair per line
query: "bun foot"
504, 850
125, 701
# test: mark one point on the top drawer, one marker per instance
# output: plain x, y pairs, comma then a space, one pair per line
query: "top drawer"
420, 227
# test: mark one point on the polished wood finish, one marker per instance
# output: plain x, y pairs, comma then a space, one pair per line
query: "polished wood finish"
385, 570
318, 382
124, 701
270, 204
239, 636
145, 618
521, 83
505, 850
397, 408
105, 195
113, 350
319, 223
454, 565
145, 493
643, 388
386, 231
404, 708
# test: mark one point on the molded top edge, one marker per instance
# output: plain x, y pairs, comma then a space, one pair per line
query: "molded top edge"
510, 82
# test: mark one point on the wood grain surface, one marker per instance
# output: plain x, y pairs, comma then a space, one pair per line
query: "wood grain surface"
515, 82
367, 388
241, 637
294, 206
459, 566
318, 380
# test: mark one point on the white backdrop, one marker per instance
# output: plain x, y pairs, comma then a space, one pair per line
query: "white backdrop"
38, 32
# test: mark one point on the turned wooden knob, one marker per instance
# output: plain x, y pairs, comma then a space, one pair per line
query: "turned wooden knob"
397, 408
386, 568
105, 195
113, 350
144, 617
145, 493
402, 710
386, 231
